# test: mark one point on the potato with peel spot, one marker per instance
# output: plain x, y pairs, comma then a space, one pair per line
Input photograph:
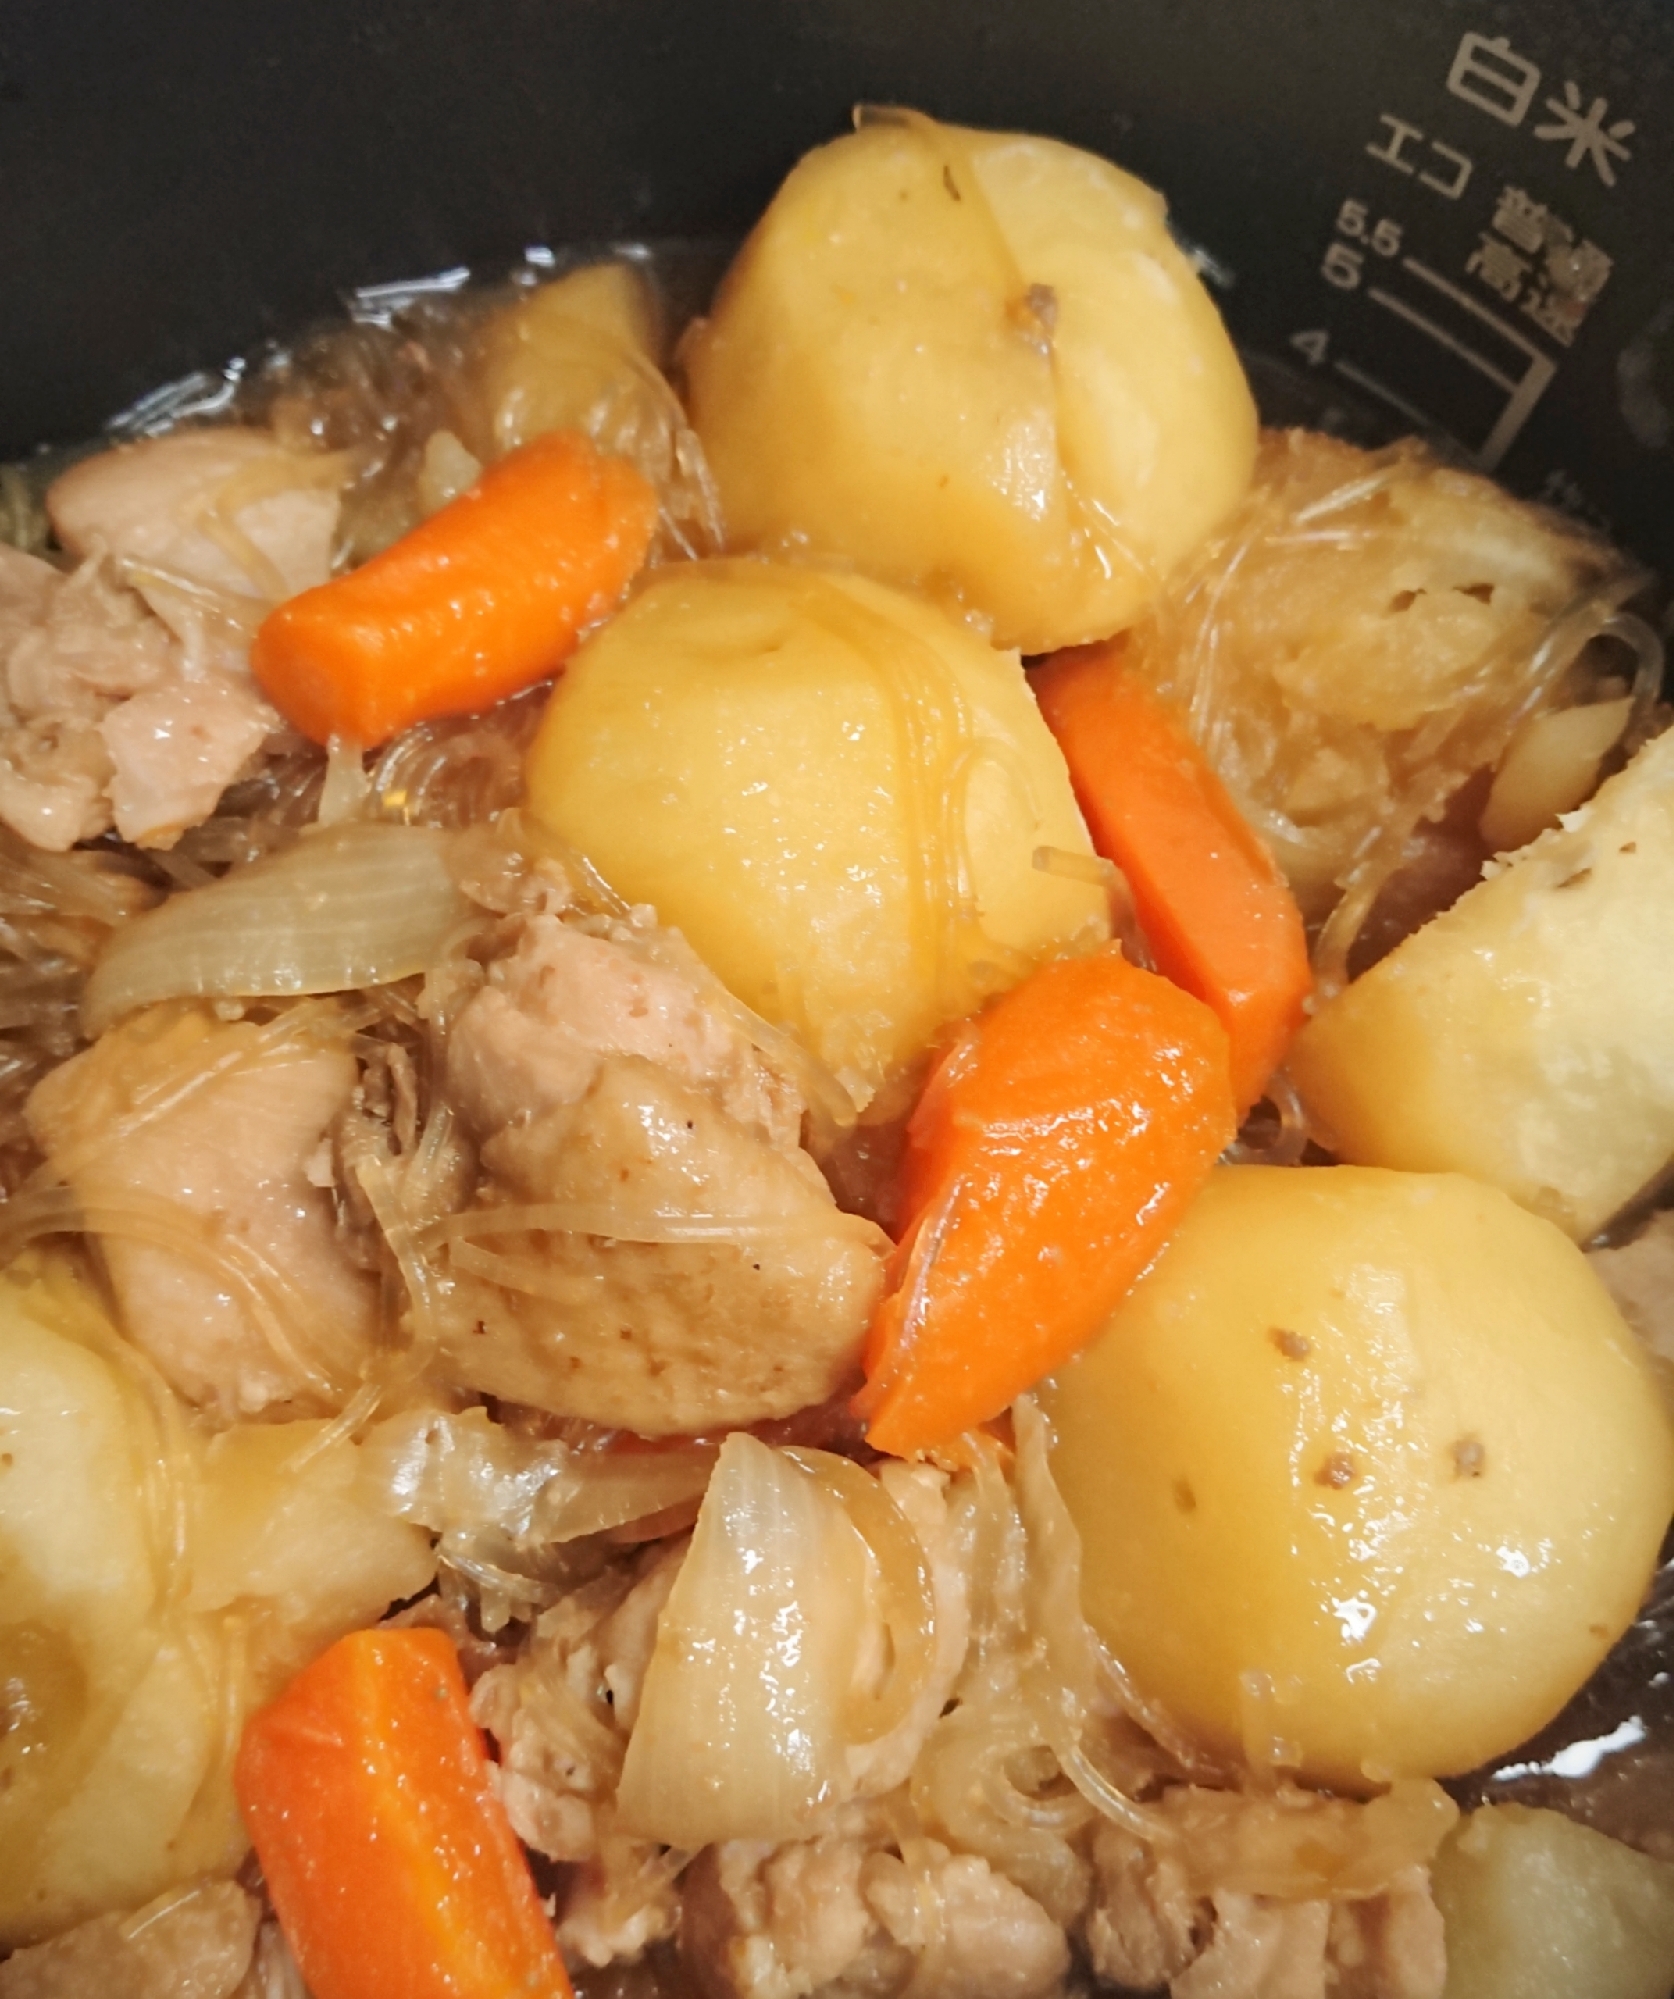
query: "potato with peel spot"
832, 789
1538, 1907
1369, 1472
973, 362
1526, 1035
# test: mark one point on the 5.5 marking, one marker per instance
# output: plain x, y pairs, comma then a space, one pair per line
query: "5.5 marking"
1345, 260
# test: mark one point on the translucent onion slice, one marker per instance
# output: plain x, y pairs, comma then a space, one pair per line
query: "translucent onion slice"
349, 906
740, 1733
466, 1474
907, 1598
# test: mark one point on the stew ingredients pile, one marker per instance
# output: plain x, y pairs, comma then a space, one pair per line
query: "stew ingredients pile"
831, 1156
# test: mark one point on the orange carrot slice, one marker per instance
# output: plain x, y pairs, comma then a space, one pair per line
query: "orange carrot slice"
1054, 1148
1215, 909
484, 598
390, 1861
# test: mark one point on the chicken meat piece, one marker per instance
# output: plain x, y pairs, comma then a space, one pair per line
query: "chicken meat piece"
974, 1932
193, 1946
227, 510
844, 1913
125, 698
1390, 1947
73, 643
1145, 1928
1260, 1949
561, 1714
175, 749
693, 1277
1144, 1925
104, 720
696, 1272
71, 648
765, 1922
565, 999
562, 1711
54, 776
188, 1142
620, 1903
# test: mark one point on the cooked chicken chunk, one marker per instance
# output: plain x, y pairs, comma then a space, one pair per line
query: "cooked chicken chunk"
228, 509
1391, 1947
175, 750
1144, 1924
564, 999
707, 1280
1146, 1928
562, 1714
977, 1934
187, 1141
761, 1922
193, 1946
682, 1265
1261, 1949
71, 642
1164, 1915
72, 650
124, 695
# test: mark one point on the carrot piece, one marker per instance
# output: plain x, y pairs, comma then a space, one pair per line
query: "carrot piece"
1054, 1148
484, 598
391, 1863
1218, 915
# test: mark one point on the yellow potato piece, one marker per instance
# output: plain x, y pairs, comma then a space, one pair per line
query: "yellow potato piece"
126, 1675
833, 790
1549, 768
1526, 1036
1369, 1473
1536, 1907
973, 362
576, 354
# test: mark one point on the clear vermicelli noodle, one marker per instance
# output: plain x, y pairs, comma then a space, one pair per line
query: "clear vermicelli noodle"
1510, 608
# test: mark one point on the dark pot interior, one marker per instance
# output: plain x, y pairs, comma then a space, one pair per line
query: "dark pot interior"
1457, 217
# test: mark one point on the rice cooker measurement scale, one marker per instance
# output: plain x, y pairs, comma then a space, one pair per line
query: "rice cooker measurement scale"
1467, 342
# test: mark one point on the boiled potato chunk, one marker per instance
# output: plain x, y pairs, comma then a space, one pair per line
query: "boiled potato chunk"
1538, 1907
973, 361
1368, 1471
583, 353
120, 1673
76, 1583
1526, 1036
834, 791
1550, 767
576, 354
